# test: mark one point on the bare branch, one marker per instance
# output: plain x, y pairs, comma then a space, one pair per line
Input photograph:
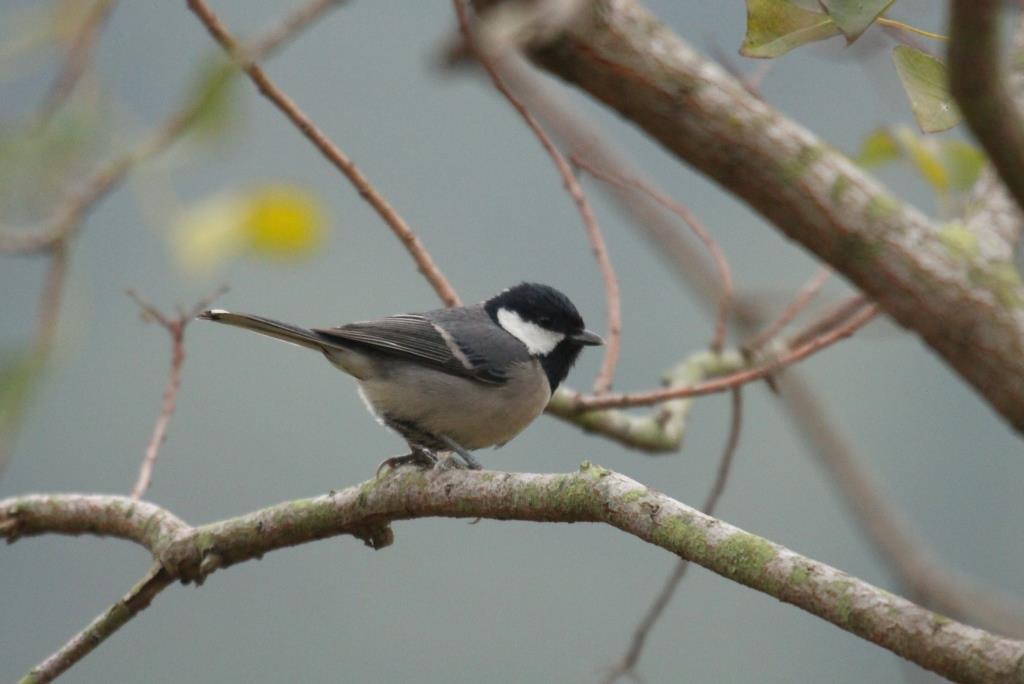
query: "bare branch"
106, 623
702, 233
175, 327
593, 494
572, 186
969, 310
330, 151
846, 327
78, 57
800, 301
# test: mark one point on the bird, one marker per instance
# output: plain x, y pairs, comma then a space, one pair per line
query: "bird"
450, 380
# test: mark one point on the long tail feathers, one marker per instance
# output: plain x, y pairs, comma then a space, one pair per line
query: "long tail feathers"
265, 326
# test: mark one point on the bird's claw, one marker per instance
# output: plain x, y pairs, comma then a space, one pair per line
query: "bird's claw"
419, 457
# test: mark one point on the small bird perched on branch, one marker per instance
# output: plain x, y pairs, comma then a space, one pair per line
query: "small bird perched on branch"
454, 379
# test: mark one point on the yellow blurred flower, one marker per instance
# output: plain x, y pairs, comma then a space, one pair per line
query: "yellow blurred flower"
280, 222
283, 222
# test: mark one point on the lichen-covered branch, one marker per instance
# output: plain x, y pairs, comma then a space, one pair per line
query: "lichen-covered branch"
106, 623
969, 309
592, 494
661, 429
995, 221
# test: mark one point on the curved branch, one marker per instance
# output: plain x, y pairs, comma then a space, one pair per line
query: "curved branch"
592, 494
969, 309
976, 80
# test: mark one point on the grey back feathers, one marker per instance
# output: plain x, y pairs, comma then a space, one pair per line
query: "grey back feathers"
429, 339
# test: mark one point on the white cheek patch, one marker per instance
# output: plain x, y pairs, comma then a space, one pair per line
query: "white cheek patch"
539, 341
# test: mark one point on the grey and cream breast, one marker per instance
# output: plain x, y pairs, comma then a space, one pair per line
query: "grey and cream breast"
422, 404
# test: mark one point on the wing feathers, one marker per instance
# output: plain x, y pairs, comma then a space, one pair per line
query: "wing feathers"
411, 336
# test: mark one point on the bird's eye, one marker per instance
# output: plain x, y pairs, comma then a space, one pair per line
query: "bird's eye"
544, 321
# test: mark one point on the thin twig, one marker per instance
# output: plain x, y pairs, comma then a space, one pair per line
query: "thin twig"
625, 667
291, 25
105, 624
800, 301
175, 327
603, 382
50, 300
78, 57
619, 400
329, 150
702, 233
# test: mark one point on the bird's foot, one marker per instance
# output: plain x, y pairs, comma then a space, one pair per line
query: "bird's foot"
471, 462
417, 456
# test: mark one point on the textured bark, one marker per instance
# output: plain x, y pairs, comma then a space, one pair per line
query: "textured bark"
982, 89
593, 494
969, 308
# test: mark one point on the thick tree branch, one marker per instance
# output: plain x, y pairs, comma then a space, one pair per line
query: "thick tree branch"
977, 81
592, 494
969, 309
992, 216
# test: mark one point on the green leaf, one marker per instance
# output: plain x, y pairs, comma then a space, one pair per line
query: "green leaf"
774, 27
854, 16
925, 82
948, 165
879, 147
214, 97
963, 162
924, 154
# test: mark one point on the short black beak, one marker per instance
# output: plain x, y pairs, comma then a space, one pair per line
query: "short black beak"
587, 338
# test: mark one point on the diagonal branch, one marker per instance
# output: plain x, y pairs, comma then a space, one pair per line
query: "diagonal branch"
105, 624
995, 220
592, 494
970, 310
77, 58
330, 151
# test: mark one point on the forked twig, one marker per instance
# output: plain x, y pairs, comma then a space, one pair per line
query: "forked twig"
175, 327
854, 320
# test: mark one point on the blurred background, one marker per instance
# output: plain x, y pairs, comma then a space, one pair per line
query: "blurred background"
259, 422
